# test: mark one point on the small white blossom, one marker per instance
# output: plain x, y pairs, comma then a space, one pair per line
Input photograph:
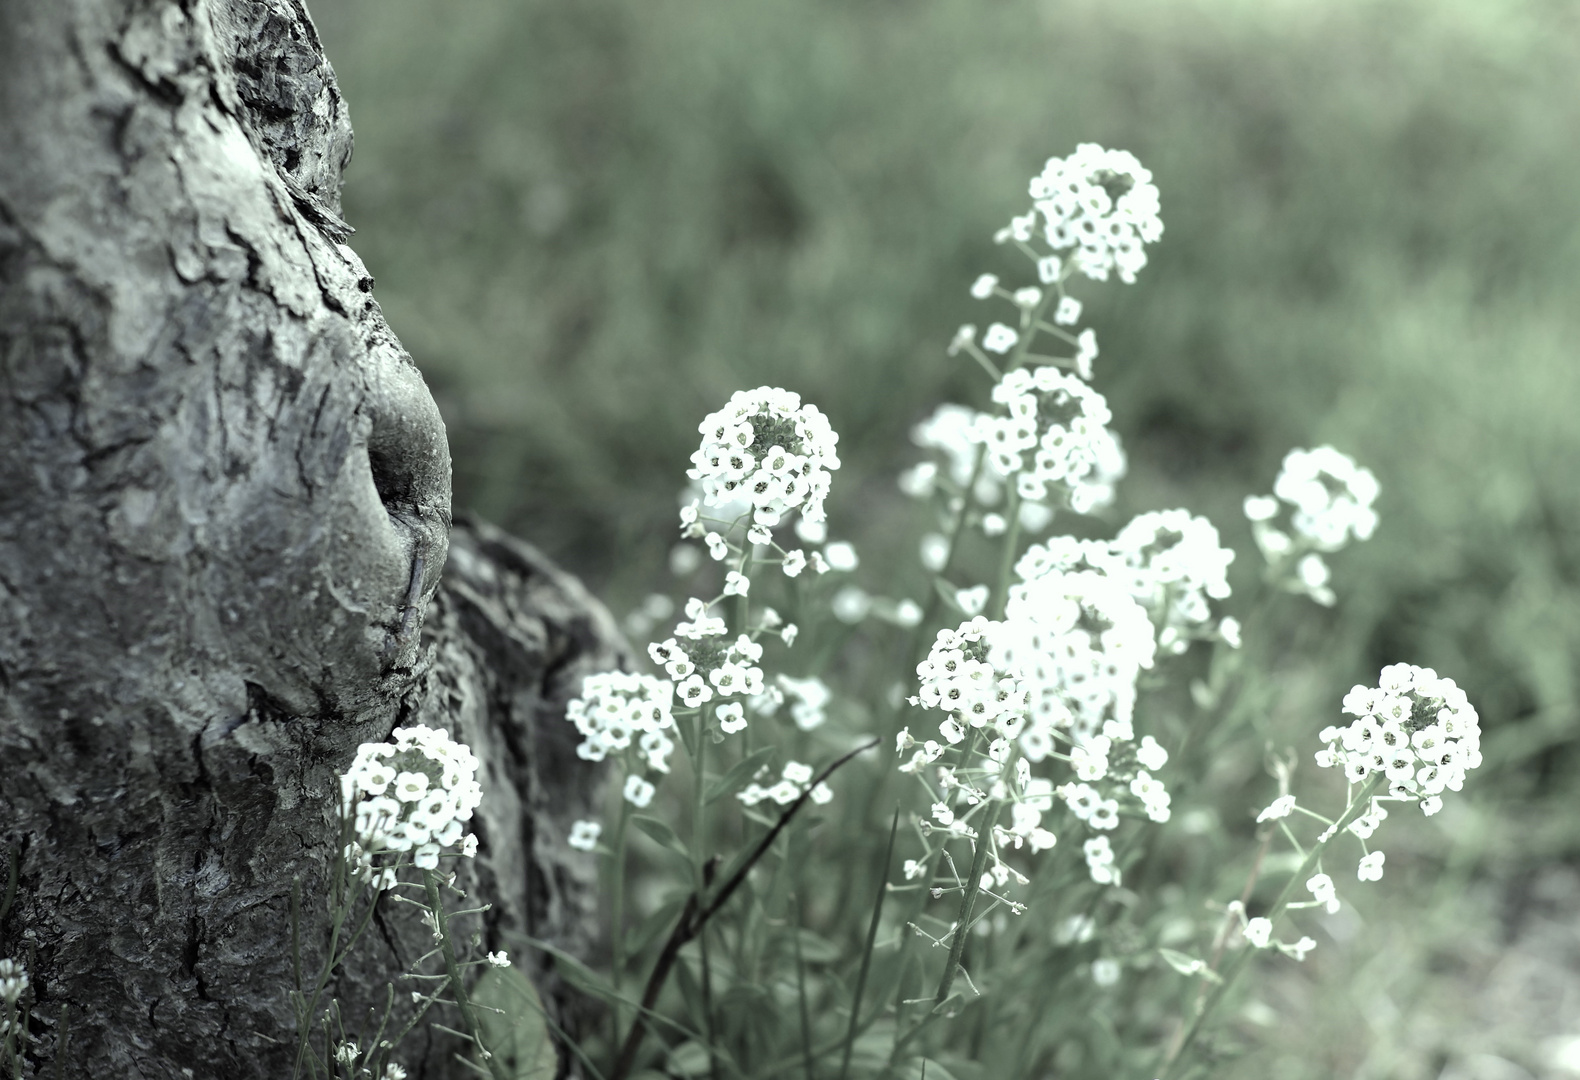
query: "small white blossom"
1281, 807
638, 791
983, 287
1371, 867
584, 835
841, 556
1151, 753
963, 337
499, 959
1068, 312
736, 584
13, 981
1258, 931
1000, 338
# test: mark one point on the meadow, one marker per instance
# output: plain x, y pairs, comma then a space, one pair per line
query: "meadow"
591, 223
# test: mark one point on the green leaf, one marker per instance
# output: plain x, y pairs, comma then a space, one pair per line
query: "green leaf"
739, 773
518, 1039
689, 1059
662, 833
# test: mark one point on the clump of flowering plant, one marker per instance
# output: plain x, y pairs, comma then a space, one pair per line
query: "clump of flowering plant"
1043, 772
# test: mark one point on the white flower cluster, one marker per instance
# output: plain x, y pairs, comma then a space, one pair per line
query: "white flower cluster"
808, 698
706, 667
1101, 203
952, 430
768, 447
1078, 642
13, 981
1332, 498
1060, 668
1175, 564
1168, 560
793, 781
413, 794
617, 708
1060, 424
1414, 728
960, 678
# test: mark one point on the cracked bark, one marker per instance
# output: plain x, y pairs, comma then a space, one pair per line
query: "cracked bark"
224, 512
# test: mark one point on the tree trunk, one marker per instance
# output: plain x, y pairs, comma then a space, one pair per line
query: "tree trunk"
224, 510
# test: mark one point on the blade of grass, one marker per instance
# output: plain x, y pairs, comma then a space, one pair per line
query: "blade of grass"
866, 953
800, 986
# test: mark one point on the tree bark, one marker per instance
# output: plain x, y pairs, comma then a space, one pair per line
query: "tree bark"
224, 510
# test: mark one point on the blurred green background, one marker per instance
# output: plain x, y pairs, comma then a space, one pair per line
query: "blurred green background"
592, 220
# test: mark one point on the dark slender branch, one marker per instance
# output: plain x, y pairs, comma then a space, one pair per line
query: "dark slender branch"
694, 916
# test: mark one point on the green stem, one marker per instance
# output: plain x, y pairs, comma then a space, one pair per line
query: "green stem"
1173, 1063
617, 903
973, 884
452, 967
1006, 564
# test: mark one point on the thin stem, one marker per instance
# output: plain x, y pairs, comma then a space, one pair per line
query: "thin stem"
866, 955
1007, 557
1171, 1064
972, 886
430, 881
695, 915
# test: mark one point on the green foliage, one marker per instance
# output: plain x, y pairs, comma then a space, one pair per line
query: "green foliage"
517, 1034
591, 222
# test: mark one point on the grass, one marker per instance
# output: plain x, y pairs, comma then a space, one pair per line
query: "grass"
591, 222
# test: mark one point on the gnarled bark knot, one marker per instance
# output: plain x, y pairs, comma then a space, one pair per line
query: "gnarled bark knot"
224, 511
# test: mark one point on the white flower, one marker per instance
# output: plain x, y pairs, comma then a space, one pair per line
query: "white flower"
409, 787
1261, 507
393, 1071
983, 287
1000, 338
1323, 892
1099, 205
1281, 807
822, 794
1049, 268
1105, 972
1151, 754
851, 604
1371, 867
794, 562
469, 845
841, 556
1229, 630
1258, 931
499, 959
789, 633
638, 792
736, 584
963, 337
1027, 298
766, 447
347, 1053
908, 613
972, 600
934, 551
943, 815
718, 547
1332, 496
584, 835
1068, 312
13, 981
732, 717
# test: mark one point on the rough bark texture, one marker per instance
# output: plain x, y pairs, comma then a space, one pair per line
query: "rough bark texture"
224, 509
